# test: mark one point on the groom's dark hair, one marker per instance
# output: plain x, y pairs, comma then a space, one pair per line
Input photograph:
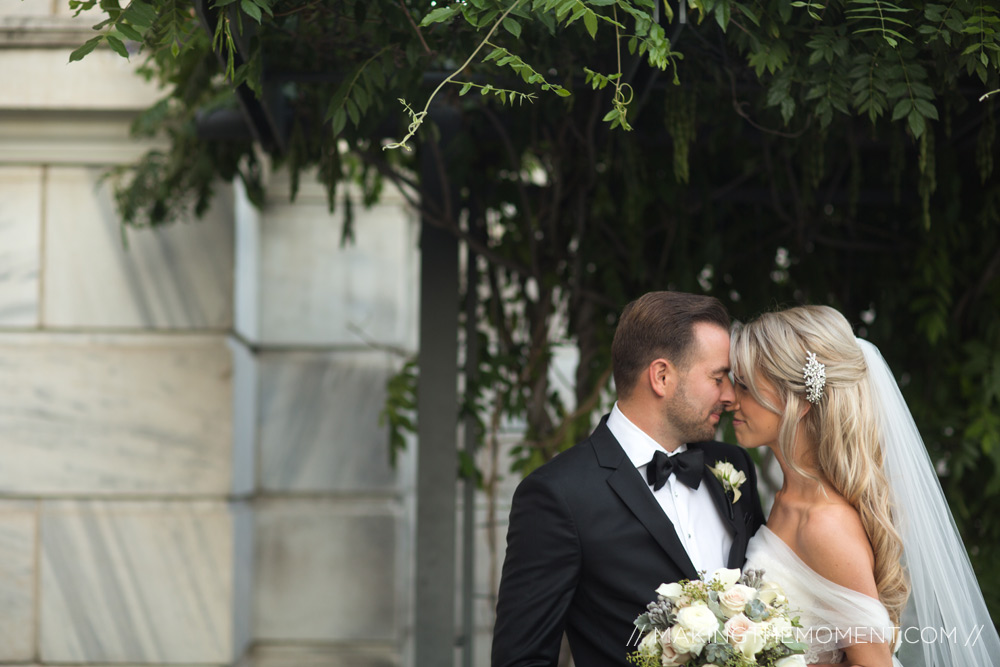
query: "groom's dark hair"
659, 324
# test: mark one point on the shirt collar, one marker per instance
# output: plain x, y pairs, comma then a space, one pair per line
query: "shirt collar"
638, 446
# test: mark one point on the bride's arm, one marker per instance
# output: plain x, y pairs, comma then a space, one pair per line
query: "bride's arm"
869, 655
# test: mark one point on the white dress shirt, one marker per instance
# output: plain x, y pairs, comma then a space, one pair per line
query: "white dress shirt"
697, 522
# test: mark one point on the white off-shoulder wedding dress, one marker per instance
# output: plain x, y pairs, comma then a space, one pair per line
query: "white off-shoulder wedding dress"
946, 622
831, 615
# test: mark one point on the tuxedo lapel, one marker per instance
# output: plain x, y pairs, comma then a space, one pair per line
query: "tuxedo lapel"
731, 513
626, 482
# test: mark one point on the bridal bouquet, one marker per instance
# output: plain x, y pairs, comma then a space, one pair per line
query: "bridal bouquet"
728, 619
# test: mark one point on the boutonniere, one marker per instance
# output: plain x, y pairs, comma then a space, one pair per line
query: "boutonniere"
731, 478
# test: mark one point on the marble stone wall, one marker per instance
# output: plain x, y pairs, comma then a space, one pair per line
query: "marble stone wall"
126, 522
192, 471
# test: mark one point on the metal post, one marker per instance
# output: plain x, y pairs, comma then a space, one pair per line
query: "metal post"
470, 446
437, 409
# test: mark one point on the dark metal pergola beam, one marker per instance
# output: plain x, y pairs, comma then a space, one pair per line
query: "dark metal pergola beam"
437, 423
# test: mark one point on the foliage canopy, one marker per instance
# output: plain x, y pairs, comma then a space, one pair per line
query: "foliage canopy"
766, 152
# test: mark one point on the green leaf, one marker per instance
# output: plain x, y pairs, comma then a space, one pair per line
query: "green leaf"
465, 88
353, 111
85, 48
440, 14
926, 108
590, 22
360, 98
116, 44
129, 32
512, 26
917, 123
339, 121
140, 14
252, 10
495, 53
902, 108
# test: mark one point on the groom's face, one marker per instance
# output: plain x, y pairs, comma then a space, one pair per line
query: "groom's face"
704, 390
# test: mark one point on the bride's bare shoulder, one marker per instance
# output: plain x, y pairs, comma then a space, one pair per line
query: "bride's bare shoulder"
833, 542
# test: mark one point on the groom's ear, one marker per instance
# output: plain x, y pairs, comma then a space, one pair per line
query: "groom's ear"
662, 376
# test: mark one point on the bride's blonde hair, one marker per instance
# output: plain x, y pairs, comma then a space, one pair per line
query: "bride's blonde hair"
843, 423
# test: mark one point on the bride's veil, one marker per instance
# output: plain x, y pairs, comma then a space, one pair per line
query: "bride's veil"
946, 622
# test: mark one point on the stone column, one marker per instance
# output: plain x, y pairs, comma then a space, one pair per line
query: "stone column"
320, 327
125, 531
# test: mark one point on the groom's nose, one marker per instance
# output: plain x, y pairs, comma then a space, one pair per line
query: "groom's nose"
728, 396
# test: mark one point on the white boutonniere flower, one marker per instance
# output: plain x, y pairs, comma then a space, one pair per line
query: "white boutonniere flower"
731, 478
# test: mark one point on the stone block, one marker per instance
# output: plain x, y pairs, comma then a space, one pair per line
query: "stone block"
319, 415
42, 79
149, 583
326, 656
99, 275
310, 288
19, 8
18, 540
106, 415
70, 138
20, 245
327, 571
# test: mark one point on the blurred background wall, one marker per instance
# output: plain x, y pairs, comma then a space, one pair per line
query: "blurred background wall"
191, 466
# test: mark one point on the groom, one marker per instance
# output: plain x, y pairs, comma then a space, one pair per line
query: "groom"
594, 531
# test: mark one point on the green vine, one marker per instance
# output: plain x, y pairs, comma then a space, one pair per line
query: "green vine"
417, 119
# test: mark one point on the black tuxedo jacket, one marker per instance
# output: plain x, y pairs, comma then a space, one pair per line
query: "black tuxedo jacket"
587, 546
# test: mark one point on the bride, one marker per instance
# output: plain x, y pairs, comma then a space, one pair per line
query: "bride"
860, 536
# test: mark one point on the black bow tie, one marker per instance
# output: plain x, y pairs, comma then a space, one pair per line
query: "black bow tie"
688, 466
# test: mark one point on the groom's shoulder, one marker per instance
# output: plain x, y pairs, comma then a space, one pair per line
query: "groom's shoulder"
584, 456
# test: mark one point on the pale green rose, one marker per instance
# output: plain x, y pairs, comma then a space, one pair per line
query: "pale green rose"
791, 661
671, 591
771, 593
650, 644
725, 576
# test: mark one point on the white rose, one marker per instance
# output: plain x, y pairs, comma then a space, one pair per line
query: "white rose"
725, 576
670, 591
744, 635
685, 641
779, 628
791, 661
698, 620
735, 599
771, 593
